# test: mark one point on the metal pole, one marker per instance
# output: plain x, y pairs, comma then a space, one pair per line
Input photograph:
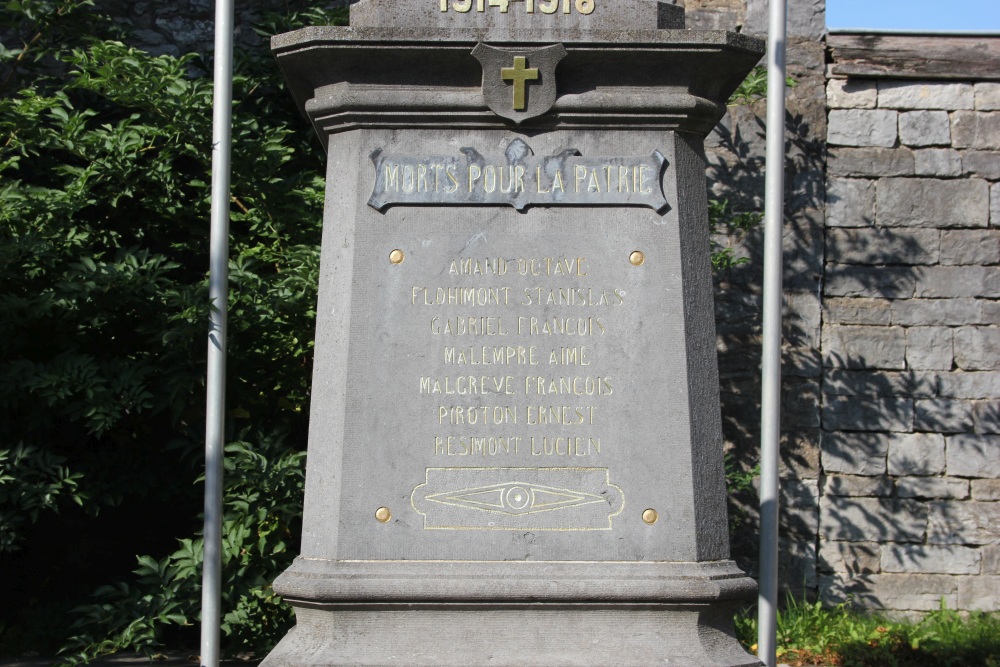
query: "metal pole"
218, 290
771, 359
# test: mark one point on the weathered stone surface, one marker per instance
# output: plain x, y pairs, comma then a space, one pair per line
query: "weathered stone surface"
963, 522
803, 363
974, 456
986, 416
938, 162
937, 312
995, 204
918, 384
797, 562
945, 282
800, 453
853, 557
985, 164
986, 489
977, 348
932, 487
800, 396
872, 519
925, 128
926, 559
880, 245
714, 14
943, 415
979, 593
968, 385
862, 127
838, 310
800, 507
990, 559
850, 202
806, 18
857, 486
871, 414
917, 455
927, 202
970, 246
803, 311
851, 94
917, 592
870, 281
864, 347
872, 162
855, 453
976, 129
929, 348
925, 95
991, 312
987, 96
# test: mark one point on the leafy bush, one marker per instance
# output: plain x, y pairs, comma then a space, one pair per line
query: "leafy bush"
104, 207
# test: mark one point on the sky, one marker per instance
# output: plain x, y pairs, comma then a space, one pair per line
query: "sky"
929, 15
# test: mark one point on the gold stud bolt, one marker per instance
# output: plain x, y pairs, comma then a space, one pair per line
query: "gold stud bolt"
637, 258
396, 256
383, 515
650, 516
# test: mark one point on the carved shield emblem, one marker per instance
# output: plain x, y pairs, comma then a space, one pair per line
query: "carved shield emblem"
519, 83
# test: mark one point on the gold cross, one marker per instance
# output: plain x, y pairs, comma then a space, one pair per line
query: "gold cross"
520, 75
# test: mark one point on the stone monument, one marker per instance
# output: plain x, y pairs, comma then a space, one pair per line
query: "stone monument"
515, 448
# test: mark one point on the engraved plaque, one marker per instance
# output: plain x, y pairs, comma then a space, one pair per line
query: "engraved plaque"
502, 362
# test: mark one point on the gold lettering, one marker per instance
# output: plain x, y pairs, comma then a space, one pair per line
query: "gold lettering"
392, 177
558, 182
593, 185
538, 170
623, 179
422, 178
490, 178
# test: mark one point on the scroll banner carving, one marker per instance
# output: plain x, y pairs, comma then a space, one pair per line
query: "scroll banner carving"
518, 179
566, 499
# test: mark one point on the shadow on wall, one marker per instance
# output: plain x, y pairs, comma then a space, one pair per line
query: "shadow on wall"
736, 173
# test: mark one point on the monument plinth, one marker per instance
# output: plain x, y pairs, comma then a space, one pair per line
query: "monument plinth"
515, 448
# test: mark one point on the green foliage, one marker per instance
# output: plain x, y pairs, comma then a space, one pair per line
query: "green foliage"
32, 481
104, 204
723, 220
812, 634
754, 87
264, 484
737, 479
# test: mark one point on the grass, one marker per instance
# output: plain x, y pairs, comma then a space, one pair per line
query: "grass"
811, 634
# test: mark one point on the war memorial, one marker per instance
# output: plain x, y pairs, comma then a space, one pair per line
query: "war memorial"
515, 452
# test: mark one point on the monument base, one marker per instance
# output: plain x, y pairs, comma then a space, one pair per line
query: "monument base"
630, 614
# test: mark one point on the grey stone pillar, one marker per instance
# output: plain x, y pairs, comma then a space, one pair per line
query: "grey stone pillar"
515, 450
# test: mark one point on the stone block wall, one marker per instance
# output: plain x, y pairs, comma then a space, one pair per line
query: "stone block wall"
910, 445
